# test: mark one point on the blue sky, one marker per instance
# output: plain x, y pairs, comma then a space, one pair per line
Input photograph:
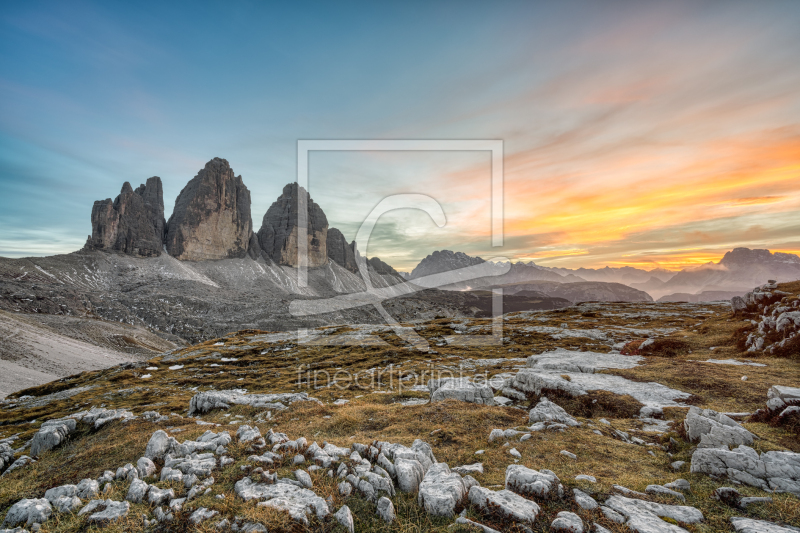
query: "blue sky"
621, 96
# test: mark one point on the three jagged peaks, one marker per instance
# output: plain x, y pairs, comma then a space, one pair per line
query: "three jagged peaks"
212, 220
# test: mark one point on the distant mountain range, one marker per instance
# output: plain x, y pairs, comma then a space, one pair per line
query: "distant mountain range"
517, 277
736, 273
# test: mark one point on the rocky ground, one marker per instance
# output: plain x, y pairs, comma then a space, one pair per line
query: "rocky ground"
37, 348
648, 417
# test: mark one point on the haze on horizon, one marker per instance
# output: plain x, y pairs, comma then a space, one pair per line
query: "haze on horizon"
642, 134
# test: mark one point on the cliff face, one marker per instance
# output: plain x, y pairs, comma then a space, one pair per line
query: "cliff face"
339, 251
211, 219
133, 223
278, 234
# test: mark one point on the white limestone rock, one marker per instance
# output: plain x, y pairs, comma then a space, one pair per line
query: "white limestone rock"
659, 490
157, 496
27, 512
787, 394
441, 491
159, 444
562, 360
749, 525
201, 515
547, 411
529, 482
137, 491
510, 505
87, 489
409, 473
246, 434
145, 467
776, 471
345, 518
467, 522
105, 511
55, 493
714, 429
201, 464
567, 522
475, 468
640, 515
583, 500
536, 381
304, 479
203, 402
297, 501
463, 389
51, 434
67, 504
386, 510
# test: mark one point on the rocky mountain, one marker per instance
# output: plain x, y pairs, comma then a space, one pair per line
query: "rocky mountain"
211, 219
339, 251
278, 234
515, 277
133, 223
704, 296
626, 275
737, 272
581, 291
443, 261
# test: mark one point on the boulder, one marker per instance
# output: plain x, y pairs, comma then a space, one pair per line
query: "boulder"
750, 525
279, 231
386, 510
509, 505
535, 381
87, 489
583, 500
51, 434
738, 304
345, 518
105, 511
441, 491
203, 402
28, 512
339, 251
787, 394
547, 411
159, 445
567, 522
157, 496
529, 482
640, 515
55, 493
145, 467
776, 471
133, 223
137, 491
659, 490
462, 389
211, 219
714, 429
201, 515
297, 501
409, 473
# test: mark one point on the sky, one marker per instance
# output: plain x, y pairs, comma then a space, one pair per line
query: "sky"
649, 134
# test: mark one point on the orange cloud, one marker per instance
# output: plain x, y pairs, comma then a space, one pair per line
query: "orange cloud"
607, 198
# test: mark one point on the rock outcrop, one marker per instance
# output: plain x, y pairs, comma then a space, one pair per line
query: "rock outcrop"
211, 219
133, 223
382, 268
339, 251
278, 233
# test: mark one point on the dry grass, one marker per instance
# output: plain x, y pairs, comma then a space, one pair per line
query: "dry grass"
685, 337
